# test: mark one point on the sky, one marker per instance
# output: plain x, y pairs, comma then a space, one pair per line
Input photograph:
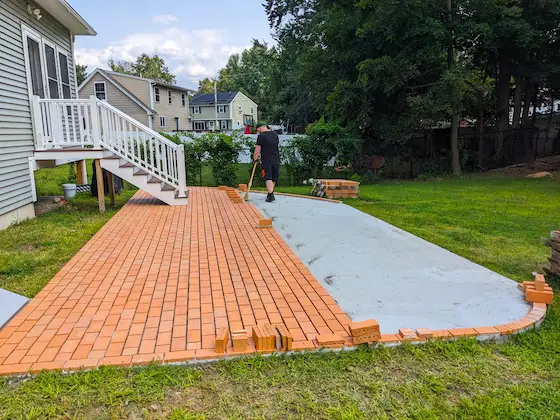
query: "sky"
195, 38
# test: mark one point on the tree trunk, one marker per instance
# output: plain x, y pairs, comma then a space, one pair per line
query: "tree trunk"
481, 136
519, 84
527, 99
455, 159
548, 122
502, 91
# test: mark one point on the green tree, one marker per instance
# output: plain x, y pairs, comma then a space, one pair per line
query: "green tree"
81, 73
151, 67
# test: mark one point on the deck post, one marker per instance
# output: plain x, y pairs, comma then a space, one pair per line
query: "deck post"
81, 175
111, 183
95, 127
181, 171
100, 186
37, 122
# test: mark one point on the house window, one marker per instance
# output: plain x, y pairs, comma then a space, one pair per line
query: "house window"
183, 99
52, 74
100, 91
162, 121
223, 124
169, 96
240, 109
47, 67
221, 109
196, 110
252, 110
156, 91
35, 68
177, 123
64, 75
199, 125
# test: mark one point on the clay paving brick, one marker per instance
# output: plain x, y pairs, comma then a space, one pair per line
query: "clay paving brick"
462, 332
179, 356
369, 327
539, 297
239, 339
72, 365
407, 334
146, 359
328, 340
424, 333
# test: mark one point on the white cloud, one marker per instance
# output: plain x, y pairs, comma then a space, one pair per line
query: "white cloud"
191, 55
165, 19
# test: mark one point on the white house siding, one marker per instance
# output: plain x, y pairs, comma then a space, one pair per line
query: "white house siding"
16, 135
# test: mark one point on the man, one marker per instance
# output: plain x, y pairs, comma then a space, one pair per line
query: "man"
267, 149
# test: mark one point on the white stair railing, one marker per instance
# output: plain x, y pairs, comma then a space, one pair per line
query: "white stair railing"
61, 123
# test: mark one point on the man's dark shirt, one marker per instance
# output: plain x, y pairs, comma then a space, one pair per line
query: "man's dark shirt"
270, 155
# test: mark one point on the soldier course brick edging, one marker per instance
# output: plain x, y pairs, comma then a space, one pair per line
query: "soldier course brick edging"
348, 337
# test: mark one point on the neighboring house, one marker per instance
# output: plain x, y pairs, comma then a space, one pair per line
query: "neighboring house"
43, 124
158, 105
36, 58
233, 111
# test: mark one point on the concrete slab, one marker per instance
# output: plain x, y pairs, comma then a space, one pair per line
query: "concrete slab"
10, 304
376, 270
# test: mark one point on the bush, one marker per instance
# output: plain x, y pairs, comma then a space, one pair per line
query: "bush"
194, 156
222, 152
297, 170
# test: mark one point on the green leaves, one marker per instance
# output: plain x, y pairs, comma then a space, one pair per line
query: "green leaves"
151, 67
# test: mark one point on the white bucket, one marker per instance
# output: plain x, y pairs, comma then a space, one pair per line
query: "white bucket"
69, 191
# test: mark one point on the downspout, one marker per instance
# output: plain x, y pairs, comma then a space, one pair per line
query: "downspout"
151, 117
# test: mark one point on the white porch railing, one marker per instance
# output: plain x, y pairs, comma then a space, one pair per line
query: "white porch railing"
87, 123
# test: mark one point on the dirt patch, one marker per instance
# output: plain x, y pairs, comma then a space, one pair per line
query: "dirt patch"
547, 164
30, 247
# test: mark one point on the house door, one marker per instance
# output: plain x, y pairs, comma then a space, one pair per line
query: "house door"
177, 123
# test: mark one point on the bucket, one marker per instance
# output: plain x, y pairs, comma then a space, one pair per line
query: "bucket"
69, 191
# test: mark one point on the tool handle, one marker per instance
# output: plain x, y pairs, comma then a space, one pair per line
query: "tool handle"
250, 181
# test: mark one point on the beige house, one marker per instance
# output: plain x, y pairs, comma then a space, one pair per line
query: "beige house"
160, 106
231, 111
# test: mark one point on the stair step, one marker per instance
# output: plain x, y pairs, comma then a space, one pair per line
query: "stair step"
167, 187
153, 180
111, 156
139, 172
126, 165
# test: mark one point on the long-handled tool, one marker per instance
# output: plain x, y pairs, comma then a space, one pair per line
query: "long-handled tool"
250, 181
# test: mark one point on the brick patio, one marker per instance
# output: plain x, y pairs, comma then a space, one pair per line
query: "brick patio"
157, 281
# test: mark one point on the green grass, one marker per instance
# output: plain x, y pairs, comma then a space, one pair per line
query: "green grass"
496, 222
32, 252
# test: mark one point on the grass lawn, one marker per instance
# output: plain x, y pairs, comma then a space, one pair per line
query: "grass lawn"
32, 252
496, 222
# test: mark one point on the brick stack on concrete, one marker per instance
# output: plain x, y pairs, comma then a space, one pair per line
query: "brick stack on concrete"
240, 340
335, 188
365, 331
554, 261
537, 291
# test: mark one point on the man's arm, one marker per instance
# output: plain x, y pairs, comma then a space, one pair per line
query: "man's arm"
257, 152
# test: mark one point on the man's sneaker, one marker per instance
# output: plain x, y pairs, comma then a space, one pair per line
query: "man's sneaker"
270, 198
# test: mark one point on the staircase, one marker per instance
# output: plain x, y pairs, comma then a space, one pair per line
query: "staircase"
131, 151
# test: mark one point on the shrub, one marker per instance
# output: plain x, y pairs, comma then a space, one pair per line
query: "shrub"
222, 152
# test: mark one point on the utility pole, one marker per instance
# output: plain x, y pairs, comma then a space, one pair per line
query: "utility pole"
216, 104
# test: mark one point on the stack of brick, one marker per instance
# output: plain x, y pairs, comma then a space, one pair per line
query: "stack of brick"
329, 340
269, 338
365, 332
233, 195
537, 291
554, 261
335, 188
242, 187
264, 223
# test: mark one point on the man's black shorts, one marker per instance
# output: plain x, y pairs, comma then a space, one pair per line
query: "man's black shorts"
271, 173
